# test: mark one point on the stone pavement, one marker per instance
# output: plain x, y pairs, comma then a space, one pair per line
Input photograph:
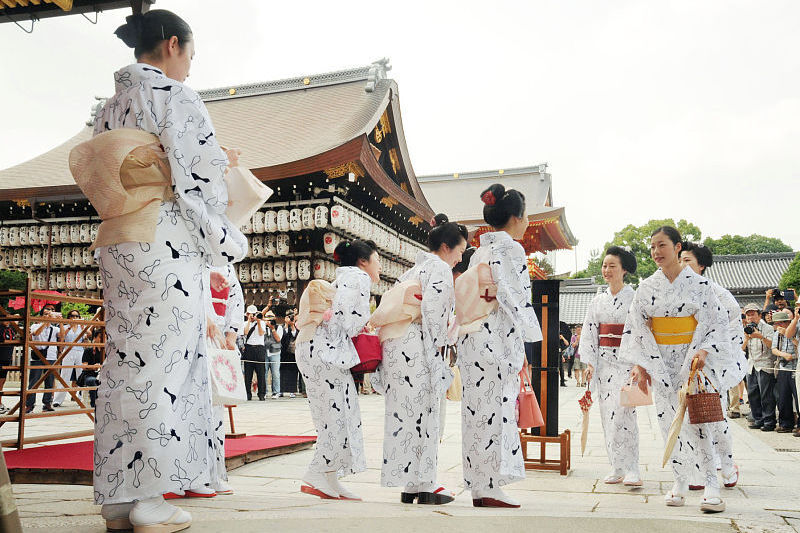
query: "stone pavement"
268, 498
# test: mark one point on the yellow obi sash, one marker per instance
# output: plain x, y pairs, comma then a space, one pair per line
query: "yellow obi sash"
673, 329
400, 307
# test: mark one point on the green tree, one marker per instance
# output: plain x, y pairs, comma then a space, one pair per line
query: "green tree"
752, 244
637, 239
791, 278
66, 307
11, 279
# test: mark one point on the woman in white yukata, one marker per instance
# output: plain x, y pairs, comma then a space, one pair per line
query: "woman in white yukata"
491, 358
154, 415
698, 257
226, 321
415, 374
675, 321
325, 362
599, 347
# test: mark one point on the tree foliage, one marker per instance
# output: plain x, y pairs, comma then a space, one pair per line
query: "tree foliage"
637, 239
11, 279
752, 244
791, 278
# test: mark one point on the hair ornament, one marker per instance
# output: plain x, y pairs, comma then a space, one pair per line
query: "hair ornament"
488, 198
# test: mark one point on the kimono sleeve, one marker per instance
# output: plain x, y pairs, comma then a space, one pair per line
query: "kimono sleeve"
712, 327
351, 304
198, 166
589, 347
510, 272
438, 299
234, 312
638, 346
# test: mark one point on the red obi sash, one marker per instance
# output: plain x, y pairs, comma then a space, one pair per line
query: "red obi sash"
611, 334
219, 300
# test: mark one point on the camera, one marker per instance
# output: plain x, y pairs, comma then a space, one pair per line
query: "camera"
750, 329
260, 316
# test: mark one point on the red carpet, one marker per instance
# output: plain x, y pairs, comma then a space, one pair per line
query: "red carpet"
78, 455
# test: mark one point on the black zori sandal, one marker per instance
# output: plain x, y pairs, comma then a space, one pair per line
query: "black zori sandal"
426, 498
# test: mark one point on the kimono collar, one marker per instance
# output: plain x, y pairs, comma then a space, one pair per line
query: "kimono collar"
346, 272
683, 274
127, 77
625, 288
424, 257
495, 237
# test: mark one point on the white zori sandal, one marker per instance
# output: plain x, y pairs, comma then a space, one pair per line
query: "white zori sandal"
712, 505
613, 478
674, 500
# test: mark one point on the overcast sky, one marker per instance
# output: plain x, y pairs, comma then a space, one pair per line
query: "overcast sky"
643, 109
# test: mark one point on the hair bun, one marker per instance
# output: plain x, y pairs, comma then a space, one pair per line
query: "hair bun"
438, 220
493, 194
131, 31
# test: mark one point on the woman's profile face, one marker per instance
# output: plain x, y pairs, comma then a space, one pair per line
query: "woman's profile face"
371, 267
178, 60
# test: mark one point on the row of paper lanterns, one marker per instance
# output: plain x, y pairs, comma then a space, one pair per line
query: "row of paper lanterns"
27, 235
36, 256
346, 220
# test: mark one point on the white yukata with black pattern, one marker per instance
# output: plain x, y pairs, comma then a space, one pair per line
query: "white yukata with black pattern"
726, 379
155, 427
669, 365
413, 378
620, 427
490, 361
325, 362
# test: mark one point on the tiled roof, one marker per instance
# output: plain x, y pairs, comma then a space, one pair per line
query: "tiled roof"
574, 298
751, 273
271, 122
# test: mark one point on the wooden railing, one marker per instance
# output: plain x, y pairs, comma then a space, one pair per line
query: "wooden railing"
22, 324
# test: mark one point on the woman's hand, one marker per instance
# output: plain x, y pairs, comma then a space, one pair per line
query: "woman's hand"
218, 281
641, 377
215, 335
233, 156
588, 373
699, 360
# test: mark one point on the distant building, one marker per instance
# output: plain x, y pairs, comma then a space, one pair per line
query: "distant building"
574, 298
750, 276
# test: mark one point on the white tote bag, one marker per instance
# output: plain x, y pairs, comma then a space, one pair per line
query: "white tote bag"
227, 381
246, 194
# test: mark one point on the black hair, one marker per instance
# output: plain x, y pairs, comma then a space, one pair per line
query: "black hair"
349, 252
501, 204
701, 252
463, 265
445, 232
626, 258
673, 234
143, 32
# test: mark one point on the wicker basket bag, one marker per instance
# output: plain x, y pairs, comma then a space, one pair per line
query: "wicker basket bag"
703, 405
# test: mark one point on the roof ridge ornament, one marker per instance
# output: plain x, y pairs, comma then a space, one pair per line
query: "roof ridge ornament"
377, 72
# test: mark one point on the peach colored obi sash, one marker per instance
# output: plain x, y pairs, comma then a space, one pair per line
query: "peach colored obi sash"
125, 175
315, 301
400, 306
476, 298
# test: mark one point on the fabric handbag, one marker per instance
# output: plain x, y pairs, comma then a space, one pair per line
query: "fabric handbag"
632, 396
246, 194
454, 391
227, 381
369, 351
528, 413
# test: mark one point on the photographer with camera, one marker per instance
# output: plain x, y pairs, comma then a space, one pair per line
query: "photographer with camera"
289, 372
273, 343
784, 347
761, 379
254, 355
43, 332
778, 298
